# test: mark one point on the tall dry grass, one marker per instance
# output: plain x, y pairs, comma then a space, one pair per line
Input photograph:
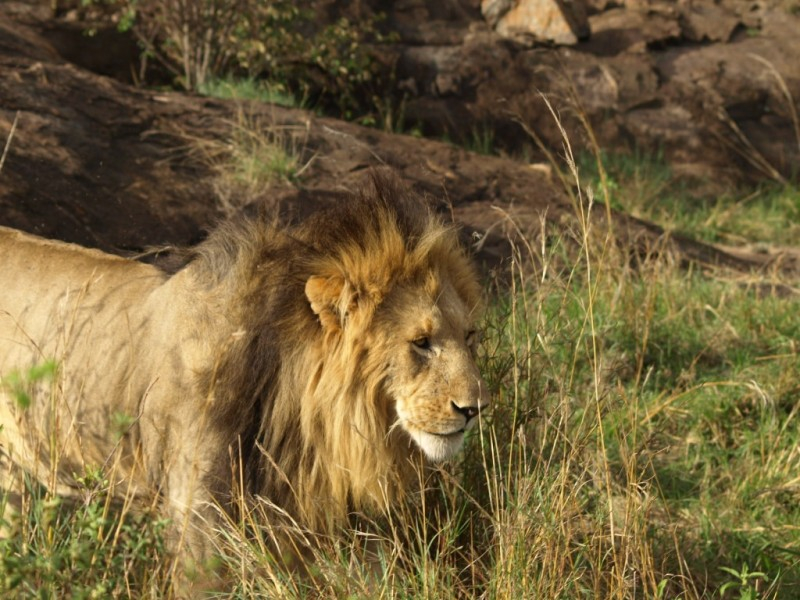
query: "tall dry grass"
643, 443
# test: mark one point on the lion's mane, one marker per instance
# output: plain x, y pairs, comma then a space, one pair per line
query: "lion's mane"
317, 394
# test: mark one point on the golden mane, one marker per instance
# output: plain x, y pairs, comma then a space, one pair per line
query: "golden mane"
325, 442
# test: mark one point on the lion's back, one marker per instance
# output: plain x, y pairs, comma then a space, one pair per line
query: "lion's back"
50, 286
73, 308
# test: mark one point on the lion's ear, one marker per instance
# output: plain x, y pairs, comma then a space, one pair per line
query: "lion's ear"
329, 299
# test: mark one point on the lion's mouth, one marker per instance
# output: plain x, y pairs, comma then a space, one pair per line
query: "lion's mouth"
438, 446
451, 435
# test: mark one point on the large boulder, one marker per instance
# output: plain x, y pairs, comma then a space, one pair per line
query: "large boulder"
527, 21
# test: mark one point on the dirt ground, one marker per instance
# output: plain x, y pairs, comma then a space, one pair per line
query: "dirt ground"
95, 161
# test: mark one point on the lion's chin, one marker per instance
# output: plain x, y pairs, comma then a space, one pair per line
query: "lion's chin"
438, 447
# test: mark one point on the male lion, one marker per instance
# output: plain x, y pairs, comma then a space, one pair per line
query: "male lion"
312, 365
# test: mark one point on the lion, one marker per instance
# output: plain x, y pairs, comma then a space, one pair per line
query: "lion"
313, 365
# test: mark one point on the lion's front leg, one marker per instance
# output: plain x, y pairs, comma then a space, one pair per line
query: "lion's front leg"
196, 502
189, 464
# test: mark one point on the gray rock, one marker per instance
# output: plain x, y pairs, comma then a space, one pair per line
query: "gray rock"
709, 22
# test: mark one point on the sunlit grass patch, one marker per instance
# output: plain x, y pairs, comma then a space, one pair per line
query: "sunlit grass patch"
644, 186
249, 89
254, 154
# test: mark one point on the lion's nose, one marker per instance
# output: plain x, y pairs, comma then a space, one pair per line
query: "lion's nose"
469, 412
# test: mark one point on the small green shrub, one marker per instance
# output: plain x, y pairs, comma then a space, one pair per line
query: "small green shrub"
93, 548
252, 155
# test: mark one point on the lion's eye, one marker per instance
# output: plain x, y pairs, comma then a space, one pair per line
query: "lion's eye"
422, 342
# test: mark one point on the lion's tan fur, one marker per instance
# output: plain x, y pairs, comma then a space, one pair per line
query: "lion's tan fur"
271, 346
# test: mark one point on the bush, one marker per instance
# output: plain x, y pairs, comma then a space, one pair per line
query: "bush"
202, 41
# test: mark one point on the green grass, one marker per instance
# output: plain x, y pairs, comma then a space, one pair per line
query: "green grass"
250, 89
680, 394
258, 159
644, 186
92, 547
254, 154
643, 442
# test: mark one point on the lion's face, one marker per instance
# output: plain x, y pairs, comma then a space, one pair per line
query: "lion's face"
432, 378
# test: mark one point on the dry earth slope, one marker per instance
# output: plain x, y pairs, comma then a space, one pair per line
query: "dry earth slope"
104, 164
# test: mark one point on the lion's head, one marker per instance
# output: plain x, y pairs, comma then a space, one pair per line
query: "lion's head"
408, 317
425, 333
400, 297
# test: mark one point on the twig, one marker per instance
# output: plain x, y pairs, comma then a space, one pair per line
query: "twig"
785, 91
8, 140
746, 149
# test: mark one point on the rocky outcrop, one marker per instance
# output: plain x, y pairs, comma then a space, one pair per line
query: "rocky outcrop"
97, 162
714, 86
90, 160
